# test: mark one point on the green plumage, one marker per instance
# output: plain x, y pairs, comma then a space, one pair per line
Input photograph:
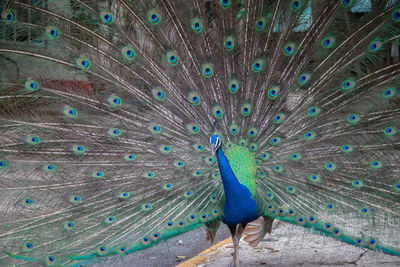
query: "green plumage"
243, 164
107, 109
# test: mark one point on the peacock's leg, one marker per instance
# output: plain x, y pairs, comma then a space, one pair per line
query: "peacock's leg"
236, 232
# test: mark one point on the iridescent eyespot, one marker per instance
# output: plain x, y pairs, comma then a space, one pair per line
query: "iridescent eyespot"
98, 174
75, 199
207, 70
359, 241
196, 25
210, 160
260, 24
336, 232
348, 84
242, 142
246, 110
114, 132
83, 63
275, 140
389, 131
179, 164
149, 175
304, 78
252, 132
3, 164
389, 93
314, 178
311, 219
291, 189
159, 94
396, 15
233, 86
128, 52
194, 99
269, 207
121, 250
273, 92
234, 129
277, 168
347, 3
198, 147
49, 168
193, 128
31, 85
172, 58
296, 5
374, 46
188, 194
365, 211
114, 101
154, 17
265, 156
328, 227
346, 148
218, 112
70, 112
330, 166
154, 128
258, 65
225, 3
330, 206
372, 243
270, 196
313, 111
300, 220
192, 218
197, 173
229, 43
146, 241
32, 140
27, 202
328, 42
124, 195
8, 16
170, 225
106, 17
215, 175
168, 187
309, 135
295, 156
27, 246
279, 118
376, 164
130, 157
147, 207
69, 225
155, 236
289, 49
357, 183
52, 32
50, 260
213, 199
253, 147
353, 118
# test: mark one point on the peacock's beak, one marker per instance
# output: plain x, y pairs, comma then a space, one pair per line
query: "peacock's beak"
214, 148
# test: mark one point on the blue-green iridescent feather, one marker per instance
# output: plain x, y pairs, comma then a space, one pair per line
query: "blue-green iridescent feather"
107, 108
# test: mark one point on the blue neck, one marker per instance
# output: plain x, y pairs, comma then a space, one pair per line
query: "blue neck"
239, 204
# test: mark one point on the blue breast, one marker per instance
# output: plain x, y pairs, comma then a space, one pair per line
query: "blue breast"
239, 205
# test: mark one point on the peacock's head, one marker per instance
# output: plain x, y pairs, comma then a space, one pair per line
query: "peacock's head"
215, 142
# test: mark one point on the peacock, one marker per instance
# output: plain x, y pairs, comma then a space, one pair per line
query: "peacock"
125, 123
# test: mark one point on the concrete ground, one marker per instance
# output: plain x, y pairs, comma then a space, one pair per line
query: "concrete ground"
288, 245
